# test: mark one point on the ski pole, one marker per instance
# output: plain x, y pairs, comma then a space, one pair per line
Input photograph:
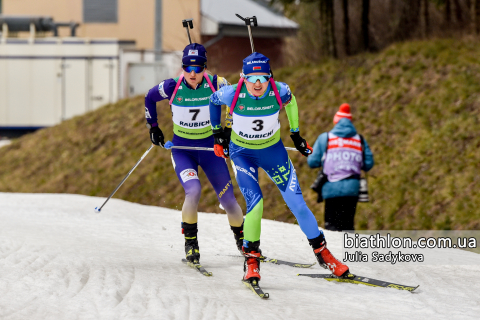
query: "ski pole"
188, 23
97, 210
169, 145
249, 22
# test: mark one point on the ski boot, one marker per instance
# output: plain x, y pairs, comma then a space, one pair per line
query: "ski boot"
238, 234
326, 259
251, 266
192, 252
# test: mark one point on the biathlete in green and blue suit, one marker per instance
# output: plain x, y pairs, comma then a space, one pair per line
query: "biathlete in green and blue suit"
255, 103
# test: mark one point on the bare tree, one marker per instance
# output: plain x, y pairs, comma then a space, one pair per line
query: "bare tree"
426, 18
327, 20
346, 29
448, 12
365, 24
458, 12
331, 29
409, 20
477, 16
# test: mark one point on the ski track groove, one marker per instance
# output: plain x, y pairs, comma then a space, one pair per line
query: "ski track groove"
84, 278
121, 294
18, 248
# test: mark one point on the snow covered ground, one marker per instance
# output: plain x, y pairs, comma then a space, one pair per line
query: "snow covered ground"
4, 143
60, 260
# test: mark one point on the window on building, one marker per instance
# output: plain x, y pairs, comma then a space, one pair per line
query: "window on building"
100, 11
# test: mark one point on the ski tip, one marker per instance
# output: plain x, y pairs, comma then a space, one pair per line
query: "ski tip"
413, 290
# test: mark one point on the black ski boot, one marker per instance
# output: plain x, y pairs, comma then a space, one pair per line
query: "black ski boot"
238, 234
192, 251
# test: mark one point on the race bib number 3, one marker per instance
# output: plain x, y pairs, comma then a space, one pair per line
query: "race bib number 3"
256, 128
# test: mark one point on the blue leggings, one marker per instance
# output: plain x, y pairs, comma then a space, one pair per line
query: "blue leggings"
274, 160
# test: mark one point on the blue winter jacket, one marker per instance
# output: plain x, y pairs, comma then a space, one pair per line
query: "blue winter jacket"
343, 188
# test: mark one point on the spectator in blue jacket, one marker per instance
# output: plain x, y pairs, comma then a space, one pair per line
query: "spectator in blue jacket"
342, 163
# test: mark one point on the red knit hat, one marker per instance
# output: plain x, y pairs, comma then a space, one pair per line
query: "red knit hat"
343, 112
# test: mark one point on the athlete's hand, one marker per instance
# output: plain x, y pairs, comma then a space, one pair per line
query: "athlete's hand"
156, 135
221, 143
301, 144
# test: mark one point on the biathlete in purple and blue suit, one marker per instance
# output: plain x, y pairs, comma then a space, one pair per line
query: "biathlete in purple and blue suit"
189, 97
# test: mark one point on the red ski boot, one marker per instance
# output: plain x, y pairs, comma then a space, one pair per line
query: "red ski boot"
252, 254
252, 266
325, 257
328, 261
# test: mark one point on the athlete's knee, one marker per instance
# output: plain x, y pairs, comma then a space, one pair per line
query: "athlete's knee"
300, 209
230, 206
193, 191
255, 212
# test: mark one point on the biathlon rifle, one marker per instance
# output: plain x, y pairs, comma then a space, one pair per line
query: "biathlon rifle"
249, 22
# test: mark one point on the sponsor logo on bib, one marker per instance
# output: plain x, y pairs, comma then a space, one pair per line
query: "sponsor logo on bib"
241, 95
241, 107
180, 99
188, 174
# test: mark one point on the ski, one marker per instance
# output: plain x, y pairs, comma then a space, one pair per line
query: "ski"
287, 263
282, 262
197, 266
253, 285
351, 278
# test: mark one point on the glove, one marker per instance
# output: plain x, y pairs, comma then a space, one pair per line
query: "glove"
222, 140
227, 134
301, 144
156, 135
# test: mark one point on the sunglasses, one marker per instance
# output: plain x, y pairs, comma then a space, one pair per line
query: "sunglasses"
254, 79
196, 69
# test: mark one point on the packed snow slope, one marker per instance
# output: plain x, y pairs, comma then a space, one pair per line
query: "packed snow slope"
61, 260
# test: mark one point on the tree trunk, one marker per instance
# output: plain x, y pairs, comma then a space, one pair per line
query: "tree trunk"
426, 18
476, 19
477, 16
328, 28
346, 30
323, 22
331, 20
458, 12
409, 20
448, 12
365, 24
